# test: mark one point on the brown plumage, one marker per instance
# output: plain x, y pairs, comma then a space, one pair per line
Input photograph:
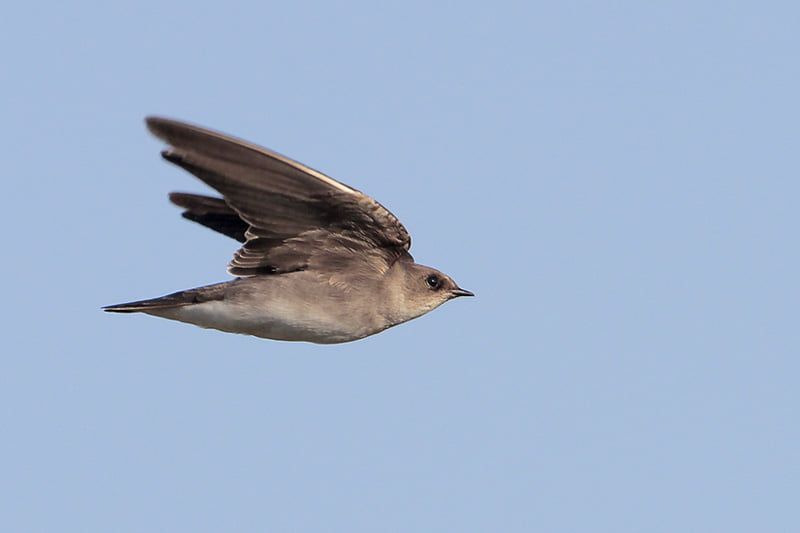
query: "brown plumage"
295, 214
320, 261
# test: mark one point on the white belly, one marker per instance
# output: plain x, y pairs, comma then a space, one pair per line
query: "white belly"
288, 322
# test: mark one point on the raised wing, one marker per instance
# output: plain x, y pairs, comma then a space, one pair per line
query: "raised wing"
297, 218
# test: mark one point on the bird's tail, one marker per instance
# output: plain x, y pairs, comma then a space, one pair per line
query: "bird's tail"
176, 299
141, 306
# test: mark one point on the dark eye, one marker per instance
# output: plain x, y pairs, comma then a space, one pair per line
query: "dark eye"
433, 281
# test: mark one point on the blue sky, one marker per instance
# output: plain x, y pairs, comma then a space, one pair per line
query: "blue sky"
617, 182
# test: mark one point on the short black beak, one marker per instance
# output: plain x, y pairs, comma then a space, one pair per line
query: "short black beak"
461, 292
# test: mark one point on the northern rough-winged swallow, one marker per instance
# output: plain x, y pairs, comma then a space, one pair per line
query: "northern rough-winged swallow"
321, 262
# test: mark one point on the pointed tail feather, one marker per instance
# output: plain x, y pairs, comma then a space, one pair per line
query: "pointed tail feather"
141, 306
176, 299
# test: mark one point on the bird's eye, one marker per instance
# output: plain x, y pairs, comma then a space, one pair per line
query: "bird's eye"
433, 281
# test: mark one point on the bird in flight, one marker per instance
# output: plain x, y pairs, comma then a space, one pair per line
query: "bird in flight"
320, 261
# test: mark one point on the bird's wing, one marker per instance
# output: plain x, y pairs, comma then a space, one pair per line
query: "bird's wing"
297, 218
212, 213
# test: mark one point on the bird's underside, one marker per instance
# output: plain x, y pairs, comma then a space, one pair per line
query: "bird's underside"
281, 307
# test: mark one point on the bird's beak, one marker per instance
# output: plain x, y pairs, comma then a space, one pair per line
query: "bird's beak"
460, 292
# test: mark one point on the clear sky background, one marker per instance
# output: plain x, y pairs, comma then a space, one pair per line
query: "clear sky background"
617, 182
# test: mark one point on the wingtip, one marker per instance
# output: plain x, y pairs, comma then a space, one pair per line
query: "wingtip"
171, 156
161, 127
199, 202
153, 122
181, 199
